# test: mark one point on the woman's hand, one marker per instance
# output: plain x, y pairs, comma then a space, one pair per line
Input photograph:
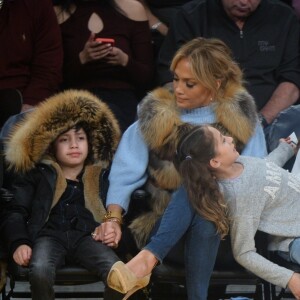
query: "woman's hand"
117, 57
109, 233
294, 285
94, 50
22, 255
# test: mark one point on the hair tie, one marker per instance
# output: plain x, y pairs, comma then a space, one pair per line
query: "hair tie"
188, 157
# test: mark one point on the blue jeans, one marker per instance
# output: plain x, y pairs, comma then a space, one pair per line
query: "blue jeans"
295, 251
49, 253
201, 243
293, 254
284, 124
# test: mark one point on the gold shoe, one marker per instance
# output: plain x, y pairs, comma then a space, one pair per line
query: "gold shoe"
121, 279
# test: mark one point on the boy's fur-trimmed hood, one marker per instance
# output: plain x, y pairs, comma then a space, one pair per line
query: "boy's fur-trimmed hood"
30, 139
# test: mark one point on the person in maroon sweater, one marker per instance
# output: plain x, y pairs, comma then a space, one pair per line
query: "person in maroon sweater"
31, 49
115, 73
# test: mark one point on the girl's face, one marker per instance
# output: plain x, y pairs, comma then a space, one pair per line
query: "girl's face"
226, 153
189, 92
71, 148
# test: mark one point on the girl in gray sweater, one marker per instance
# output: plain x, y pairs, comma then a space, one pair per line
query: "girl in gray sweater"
258, 194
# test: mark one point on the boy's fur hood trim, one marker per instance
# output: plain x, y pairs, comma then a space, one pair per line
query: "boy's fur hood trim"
159, 116
31, 137
90, 179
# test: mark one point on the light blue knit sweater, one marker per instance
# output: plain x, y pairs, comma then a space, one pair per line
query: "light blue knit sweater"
129, 166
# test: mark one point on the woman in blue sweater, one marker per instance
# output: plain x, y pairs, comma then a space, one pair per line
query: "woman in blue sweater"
207, 89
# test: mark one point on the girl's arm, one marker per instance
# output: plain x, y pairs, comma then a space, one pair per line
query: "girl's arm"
281, 154
243, 229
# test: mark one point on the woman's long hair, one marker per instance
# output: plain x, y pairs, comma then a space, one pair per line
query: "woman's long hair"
194, 151
212, 65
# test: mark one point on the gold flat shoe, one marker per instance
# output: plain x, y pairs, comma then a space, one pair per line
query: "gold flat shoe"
121, 279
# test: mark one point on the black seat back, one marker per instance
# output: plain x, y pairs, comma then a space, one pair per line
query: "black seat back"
10, 103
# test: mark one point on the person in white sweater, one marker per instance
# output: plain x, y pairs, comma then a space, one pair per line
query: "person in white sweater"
258, 193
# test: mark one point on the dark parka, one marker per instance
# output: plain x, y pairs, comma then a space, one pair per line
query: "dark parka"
39, 182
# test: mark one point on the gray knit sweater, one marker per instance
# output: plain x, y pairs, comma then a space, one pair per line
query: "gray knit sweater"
264, 197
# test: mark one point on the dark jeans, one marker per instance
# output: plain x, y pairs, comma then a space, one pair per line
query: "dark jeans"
49, 253
181, 224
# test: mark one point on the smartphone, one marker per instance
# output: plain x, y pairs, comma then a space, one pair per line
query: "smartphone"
106, 41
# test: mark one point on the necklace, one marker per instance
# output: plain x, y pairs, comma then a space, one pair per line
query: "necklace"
1, 3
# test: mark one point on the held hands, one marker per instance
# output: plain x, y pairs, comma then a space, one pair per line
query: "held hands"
22, 255
94, 50
109, 233
294, 285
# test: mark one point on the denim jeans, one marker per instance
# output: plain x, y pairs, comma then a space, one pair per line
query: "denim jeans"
295, 251
286, 122
201, 241
49, 253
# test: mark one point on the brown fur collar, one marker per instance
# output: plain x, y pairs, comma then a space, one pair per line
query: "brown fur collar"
31, 138
90, 178
159, 114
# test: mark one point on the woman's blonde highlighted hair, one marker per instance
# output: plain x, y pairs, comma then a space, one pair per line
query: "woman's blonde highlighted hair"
211, 63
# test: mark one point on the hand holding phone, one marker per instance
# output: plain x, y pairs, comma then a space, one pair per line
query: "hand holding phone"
106, 41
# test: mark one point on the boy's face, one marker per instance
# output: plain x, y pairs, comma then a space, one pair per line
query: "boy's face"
71, 148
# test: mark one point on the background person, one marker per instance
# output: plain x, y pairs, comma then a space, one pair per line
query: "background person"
119, 73
31, 54
270, 62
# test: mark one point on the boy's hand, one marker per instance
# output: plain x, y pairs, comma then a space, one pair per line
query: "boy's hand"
109, 233
22, 255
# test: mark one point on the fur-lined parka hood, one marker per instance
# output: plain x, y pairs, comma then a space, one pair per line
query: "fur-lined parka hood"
31, 138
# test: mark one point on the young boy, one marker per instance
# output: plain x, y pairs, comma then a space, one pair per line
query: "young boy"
58, 153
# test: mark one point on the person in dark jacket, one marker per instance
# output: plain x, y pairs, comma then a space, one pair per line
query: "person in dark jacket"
264, 38
31, 53
58, 153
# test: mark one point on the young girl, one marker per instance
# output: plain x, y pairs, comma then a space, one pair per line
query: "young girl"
58, 152
259, 196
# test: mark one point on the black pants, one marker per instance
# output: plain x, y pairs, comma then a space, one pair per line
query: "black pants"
49, 253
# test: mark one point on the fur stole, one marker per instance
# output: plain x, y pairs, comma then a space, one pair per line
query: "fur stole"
160, 125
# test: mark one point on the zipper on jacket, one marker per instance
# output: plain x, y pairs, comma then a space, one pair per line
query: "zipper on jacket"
241, 34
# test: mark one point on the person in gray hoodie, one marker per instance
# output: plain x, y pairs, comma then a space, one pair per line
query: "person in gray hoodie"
256, 193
